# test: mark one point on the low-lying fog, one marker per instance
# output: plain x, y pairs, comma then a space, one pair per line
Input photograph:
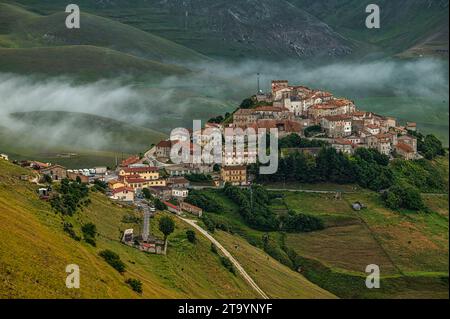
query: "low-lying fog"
213, 89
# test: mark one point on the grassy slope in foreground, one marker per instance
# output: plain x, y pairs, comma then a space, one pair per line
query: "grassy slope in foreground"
277, 280
35, 252
88, 62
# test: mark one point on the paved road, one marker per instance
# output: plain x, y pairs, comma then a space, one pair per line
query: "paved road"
227, 254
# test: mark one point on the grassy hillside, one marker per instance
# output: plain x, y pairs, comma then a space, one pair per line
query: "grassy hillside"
27, 29
35, 252
96, 140
410, 248
277, 280
86, 62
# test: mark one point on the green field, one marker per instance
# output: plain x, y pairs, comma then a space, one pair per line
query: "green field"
30, 43
410, 248
35, 252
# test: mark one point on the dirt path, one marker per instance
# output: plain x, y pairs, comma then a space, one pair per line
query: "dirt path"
227, 254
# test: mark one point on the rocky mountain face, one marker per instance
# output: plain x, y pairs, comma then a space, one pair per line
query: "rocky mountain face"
269, 27
277, 29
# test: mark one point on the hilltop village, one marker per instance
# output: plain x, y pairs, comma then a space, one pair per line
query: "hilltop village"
307, 113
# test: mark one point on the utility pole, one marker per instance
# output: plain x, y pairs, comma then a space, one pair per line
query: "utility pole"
259, 87
145, 230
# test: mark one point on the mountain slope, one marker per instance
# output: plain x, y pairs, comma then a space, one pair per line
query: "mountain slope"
29, 29
86, 62
404, 24
234, 29
36, 251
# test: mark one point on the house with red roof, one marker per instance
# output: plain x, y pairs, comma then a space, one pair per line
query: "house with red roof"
124, 194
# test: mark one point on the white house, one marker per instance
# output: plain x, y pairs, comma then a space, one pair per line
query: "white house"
180, 192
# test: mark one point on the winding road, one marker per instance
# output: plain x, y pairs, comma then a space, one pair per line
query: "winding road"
238, 266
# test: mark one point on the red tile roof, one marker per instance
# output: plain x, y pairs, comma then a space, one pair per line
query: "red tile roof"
130, 160
405, 148
164, 144
336, 118
138, 170
122, 189
171, 205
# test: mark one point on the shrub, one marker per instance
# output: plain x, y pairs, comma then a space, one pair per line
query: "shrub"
68, 228
89, 233
190, 234
159, 205
135, 284
226, 262
214, 248
298, 222
113, 260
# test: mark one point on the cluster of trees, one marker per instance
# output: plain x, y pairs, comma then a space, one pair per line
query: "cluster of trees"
429, 146
426, 176
403, 196
367, 167
201, 200
101, 186
71, 196
295, 141
218, 119
253, 206
198, 178
252, 102
299, 222
312, 130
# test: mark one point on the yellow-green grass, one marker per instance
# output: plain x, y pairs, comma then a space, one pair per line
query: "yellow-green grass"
35, 252
415, 241
277, 280
410, 248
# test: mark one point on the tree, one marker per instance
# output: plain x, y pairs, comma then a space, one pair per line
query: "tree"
113, 259
47, 179
246, 103
166, 226
89, 232
159, 205
135, 284
190, 234
147, 194
403, 196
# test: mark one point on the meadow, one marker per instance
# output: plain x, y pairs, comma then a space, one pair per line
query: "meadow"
35, 252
